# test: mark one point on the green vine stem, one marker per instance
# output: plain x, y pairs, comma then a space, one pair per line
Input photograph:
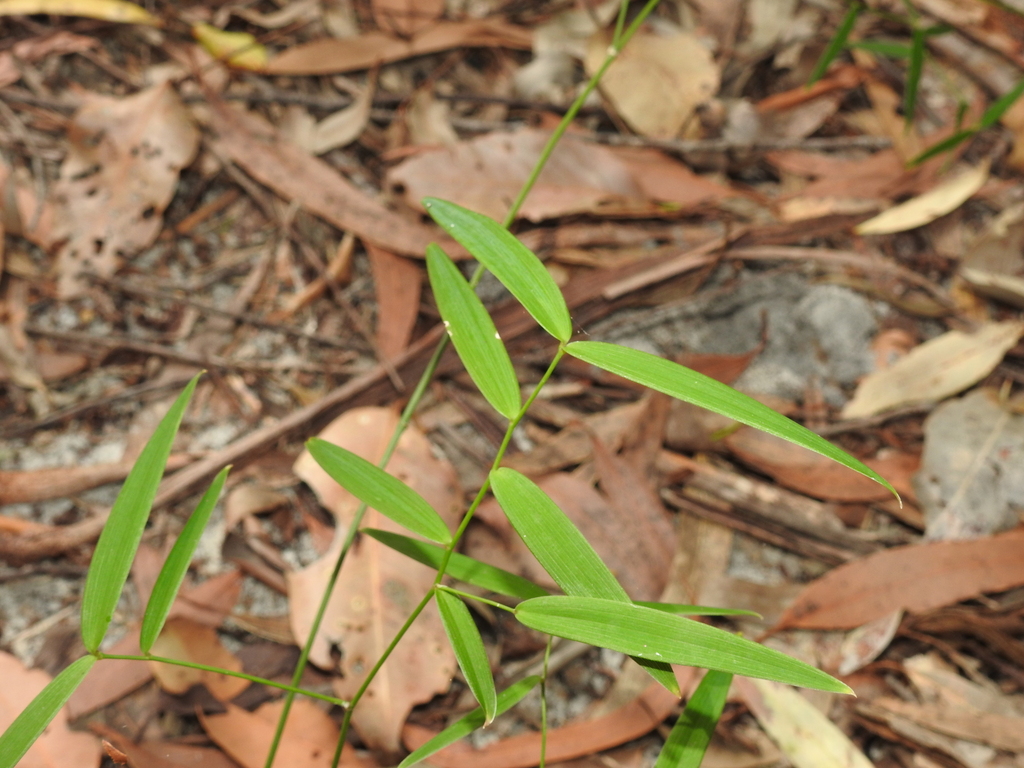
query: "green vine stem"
618, 43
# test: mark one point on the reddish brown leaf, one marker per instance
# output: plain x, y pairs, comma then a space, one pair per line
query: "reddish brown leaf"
917, 578
406, 17
397, 282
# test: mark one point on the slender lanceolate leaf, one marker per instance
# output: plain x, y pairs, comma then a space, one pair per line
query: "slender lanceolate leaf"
509, 260
883, 48
176, 565
460, 567
475, 719
385, 493
914, 67
689, 738
680, 382
684, 609
943, 146
30, 724
116, 547
837, 43
473, 333
998, 107
563, 551
469, 651
646, 633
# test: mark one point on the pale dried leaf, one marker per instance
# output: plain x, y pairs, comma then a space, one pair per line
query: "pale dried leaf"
118, 11
185, 640
657, 81
58, 746
946, 197
120, 173
936, 369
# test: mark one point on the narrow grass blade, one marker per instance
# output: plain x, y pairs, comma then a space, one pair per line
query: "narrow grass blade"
385, 493
460, 567
680, 382
176, 565
469, 651
837, 43
510, 261
883, 48
998, 107
943, 146
120, 538
696, 610
650, 634
475, 719
473, 333
914, 67
562, 550
30, 724
689, 738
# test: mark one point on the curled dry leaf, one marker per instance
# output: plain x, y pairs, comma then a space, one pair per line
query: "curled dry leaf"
936, 369
657, 81
945, 198
185, 640
120, 173
58, 746
378, 587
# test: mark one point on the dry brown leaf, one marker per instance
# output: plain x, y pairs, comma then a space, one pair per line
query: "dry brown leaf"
667, 180
803, 732
259, 148
58, 747
21, 212
308, 741
815, 475
61, 42
397, 284
998, 731
994, 264
406, 17
587, 737
120, 173
378, 587
328, 56
168, 754
338, 129
657, 81
250, 499
946, 197
917, 578
52, 366
185, 640
936, 369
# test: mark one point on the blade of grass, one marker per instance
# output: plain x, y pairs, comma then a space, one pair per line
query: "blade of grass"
385, 493
469, 651
472, 331
646, 633
30, 724
837, 43
685, 384
509, 260
883, 48
998, 107
173, 572
914, 67
120, 538
689, 738
475, 719
460, 567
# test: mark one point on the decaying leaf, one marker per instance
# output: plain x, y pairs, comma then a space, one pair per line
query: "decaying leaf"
803, 732
338, 129
406, 17
186, 640
917, 578
120, 174
657, 81
239, 49
378, 587
58, 746
994, 264
397, 283
936, 369
118, 11
946, 197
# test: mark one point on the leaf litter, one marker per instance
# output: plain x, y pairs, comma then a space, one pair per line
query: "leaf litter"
655, 167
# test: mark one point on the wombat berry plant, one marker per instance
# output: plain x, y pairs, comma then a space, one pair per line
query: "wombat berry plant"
592, 607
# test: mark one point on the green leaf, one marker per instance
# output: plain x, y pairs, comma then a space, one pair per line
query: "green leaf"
689, 738
562, 550
385, 493
680, 382
120, 538
469, 650
837, 43
509, 260
30, 724
695, 610
883, 48
914, 67
998, 107
943, 146
473, 333
176, 565
459, 566
475, 719
647, 633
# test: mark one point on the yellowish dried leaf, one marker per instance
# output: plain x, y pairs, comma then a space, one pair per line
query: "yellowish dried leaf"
107, 10
239, 49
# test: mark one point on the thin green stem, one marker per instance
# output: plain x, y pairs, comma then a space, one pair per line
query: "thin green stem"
468, 596
544, 703
229, 672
